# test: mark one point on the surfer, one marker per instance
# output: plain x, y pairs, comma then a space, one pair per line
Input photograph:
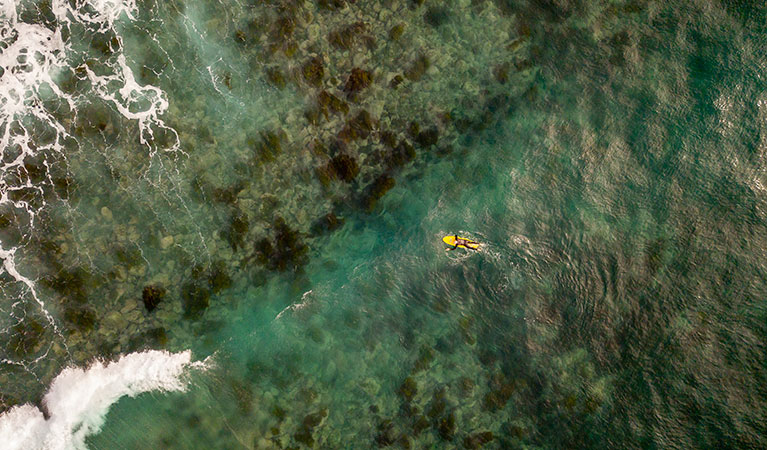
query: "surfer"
461, 241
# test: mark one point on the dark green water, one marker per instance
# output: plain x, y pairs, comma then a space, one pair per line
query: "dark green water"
609, 156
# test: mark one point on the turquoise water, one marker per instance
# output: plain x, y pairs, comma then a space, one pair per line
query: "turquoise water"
608, 155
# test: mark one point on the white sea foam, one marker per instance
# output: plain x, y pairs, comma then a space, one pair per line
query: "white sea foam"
29, 54
305, 298
32, 55
100, 13
79, 399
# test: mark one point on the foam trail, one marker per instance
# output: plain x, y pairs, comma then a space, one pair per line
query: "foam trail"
297, 306
29, 54
142, 103
32, 57
7, 264
100, 13
79, 399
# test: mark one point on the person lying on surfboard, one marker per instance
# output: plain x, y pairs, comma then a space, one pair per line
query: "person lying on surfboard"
461, 241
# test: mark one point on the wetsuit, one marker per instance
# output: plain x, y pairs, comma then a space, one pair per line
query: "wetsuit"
459, 241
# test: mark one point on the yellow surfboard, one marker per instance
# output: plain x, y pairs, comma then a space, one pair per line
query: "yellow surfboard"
450, 240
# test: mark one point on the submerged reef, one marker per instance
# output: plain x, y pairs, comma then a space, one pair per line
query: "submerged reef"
305, 117
152, 296
329, 222
285, 251
305, 124
27, 338
313, 71
358, 80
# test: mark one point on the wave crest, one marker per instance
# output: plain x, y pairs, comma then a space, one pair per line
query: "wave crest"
78, 400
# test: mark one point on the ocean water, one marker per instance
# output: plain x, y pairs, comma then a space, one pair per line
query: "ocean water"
221, 223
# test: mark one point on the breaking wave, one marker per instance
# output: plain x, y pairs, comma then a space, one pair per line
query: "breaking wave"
78, 400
